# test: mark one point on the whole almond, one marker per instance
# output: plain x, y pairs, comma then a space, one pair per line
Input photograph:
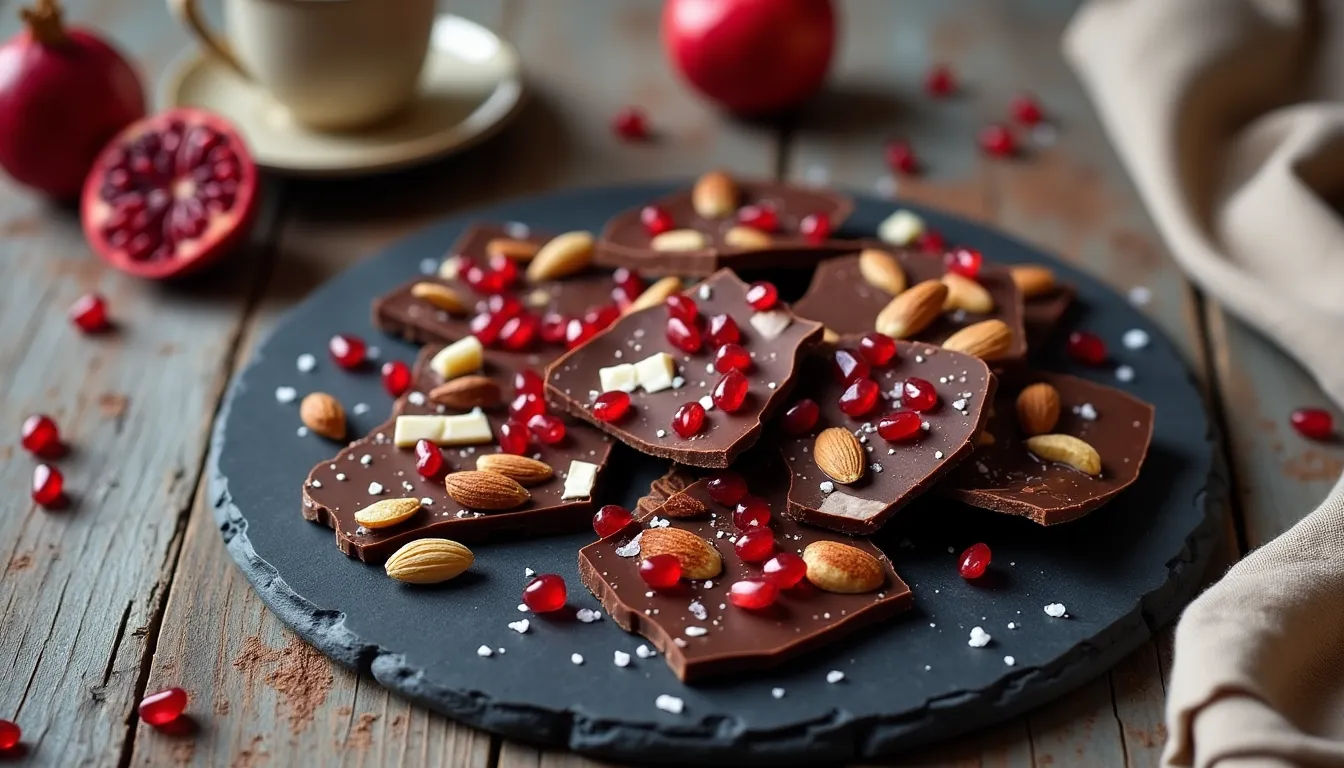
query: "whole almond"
475, 489
429, 561
1038, 408
987, 340
561, 256
655, 294
1033, 280
679, 240
699, 559
509, 248
838, 453
912, 310
525, 470
323, 415
387, 513
682, 506
467, 392
749, 238
440, 296
842, 568
882, 271
1066, 449
966, 294
714, 195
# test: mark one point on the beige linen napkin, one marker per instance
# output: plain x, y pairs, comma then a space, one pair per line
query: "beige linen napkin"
1230, 117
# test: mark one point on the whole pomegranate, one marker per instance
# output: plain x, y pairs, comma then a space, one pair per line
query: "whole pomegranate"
751, 56
63, 94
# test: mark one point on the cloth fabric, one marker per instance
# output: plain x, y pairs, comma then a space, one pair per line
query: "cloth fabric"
1229, 115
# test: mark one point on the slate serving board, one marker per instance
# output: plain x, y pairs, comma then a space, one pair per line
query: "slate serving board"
1121, 572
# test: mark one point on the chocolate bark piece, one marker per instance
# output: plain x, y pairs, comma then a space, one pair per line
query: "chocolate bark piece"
1005, 477
626, 242
335, 490
735, 640
675, 481
1042, 314
965, 389
844, 302
776, 339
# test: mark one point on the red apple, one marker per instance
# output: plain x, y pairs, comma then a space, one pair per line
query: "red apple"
751, 56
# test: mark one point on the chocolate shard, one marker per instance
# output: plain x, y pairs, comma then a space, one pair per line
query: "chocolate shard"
701, 640
895, 472
1043, 314
776, 340
1005, 477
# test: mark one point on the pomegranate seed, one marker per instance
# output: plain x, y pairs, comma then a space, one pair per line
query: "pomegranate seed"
163, 707
753, 594
940, 81
486, 326
964, 261
762, 296
801, 417
348, 351
731, 392
683, 308
578, 332
40, 435
1026, 109
859, 398
656, 220
622, 297
723, 330
785, 570
548, 429
526, 405
755, 545
877, 348
10, 733
849, 366
751, 512
901, 157
89, 312
683, 336
611, 520
428, 459
611, 407
974, 561
545, 593
727, 488
474, 275
899, 426
762, 217
513, 438
396, 377
688, 419
731, 357
997, 140
1314, 423
630, 124
931, 241
519, 331
527, 382
660, 571
504, 271
816, 227
918, 395
629, 280
48, 484
1086, 348
503, 305
553, 328
600, 317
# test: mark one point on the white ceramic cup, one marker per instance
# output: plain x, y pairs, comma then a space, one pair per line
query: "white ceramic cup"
335, 64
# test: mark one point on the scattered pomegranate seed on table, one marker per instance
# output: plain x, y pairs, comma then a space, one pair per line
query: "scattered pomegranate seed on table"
513, 438
347, 350
940, 81
974, 561
723, 330
396, 377
630, 124
610, 407
1086, 347
48, 485
731, 391
727, 488
859, 398
731, 357
762, 217
89, 313
660, 571
1026, 110
610, 520
751, 512
755, 545
900, 426
1313, 423
964, 261
688, 419
682, 307
428, 458
901, 158
785, 569
848, 366
801, 417
547, 428
931, 241
877, 348
816, 228
40, 435
753, 594
683, 335
762, 296
527, 382
545, 593
526, 405
997, 141
163, 707
656, 220
10, 733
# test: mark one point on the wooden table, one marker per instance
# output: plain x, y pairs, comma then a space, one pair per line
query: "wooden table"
131, 590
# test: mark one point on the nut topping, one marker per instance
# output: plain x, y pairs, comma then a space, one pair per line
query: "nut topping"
562, 256
509, 248
655, 294
882, 271
683, 506
699, 559
747, 238
1033, 280
679, 240
839, 454
913, 310
440, 296
714, 195
387, 513
1068, 450
526, 471
966, 294
841, 568
485, 490
987, 340
429, 561
1038, 408
323, 415
467, 392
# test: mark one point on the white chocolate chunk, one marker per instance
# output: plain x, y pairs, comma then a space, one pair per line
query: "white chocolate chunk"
771, 324
623, 378
900, 228
579, 480
656, 372
450, 267
465, 429
458, 359
412, 429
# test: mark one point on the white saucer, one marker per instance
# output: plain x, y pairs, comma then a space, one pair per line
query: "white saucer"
472, 84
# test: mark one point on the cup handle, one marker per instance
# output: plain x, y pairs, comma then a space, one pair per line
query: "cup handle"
190, 16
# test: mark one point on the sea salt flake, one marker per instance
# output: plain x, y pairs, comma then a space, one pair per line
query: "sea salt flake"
375, 488
979, 638
285, 394
1140, 295
520, 626
302, 432
1009, 660
697, 610
576, 658
485, 651
835, 676
587, 615
1135, 338
1124, 373
416, 398
1087, 411
306, 363
360, 409
645, 652
696, 631
778, 693
826, 486
669, 703
620, 659
631, 548
340, 476
1055, 610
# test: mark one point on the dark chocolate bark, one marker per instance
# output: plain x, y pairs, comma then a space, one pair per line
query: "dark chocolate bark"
1042, 314
907, 468
1005, 477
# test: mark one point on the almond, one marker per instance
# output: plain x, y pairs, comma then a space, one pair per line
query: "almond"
843, 568
839, 455
655, 294
440, 296
561, 256
525, 470
714, 195
387, 513
683, 505
1066, 449
467, 392
987, 340
485, 490
699, 559
1038, 408
882, 271
323, 415
679, 240
429, 561
509, 248
749, 238
1033, 280
829, 337
912, 310
966, 294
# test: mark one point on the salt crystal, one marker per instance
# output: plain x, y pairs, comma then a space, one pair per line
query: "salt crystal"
576, 658
484, 651
285, 394
306, 362
520, 626
835, 676
621, 659
1135, 338
669, 703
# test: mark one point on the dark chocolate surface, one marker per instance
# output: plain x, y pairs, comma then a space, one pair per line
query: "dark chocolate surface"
907, 469
1042, 315
573, 379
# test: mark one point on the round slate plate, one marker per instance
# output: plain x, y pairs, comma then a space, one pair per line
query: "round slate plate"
1121, 572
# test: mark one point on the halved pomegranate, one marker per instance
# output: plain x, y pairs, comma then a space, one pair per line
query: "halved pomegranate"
170, 194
